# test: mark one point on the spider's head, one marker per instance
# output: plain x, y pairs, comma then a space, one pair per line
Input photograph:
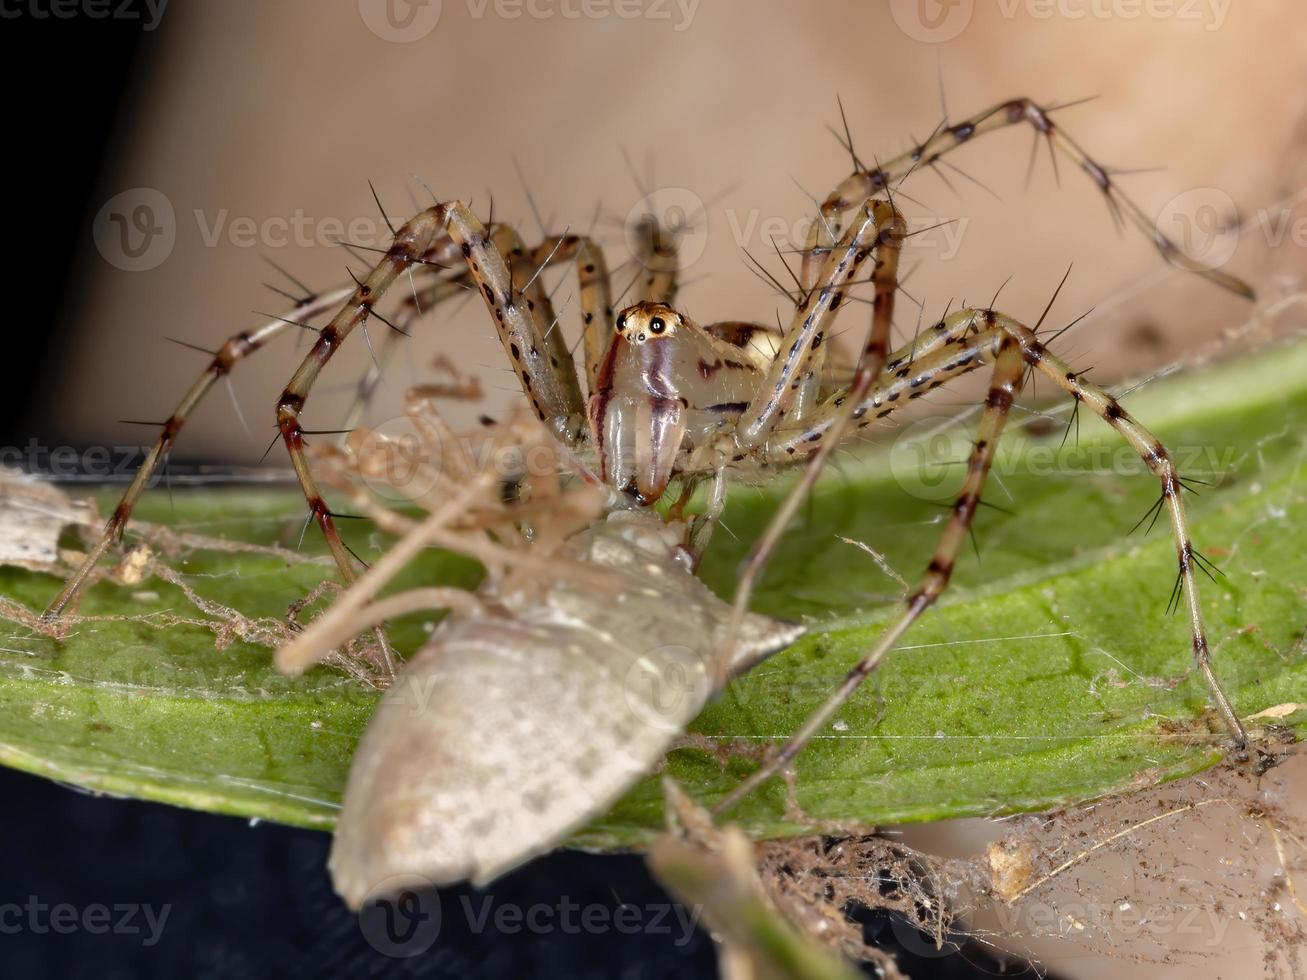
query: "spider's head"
665, 386
645, 322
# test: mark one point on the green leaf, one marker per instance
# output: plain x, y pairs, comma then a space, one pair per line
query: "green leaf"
1048, 674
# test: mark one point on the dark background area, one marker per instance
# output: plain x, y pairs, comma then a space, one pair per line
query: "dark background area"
255, 901
69, 83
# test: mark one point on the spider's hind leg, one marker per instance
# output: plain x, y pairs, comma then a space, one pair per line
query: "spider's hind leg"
1009, 366
966, 340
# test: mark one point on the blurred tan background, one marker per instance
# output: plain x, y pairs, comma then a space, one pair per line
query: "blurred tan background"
257, 129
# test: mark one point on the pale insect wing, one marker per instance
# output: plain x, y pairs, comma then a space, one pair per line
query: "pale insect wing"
498, 741
503, 737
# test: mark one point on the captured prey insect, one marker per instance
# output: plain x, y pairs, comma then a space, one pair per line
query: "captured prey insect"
541, 697
668, 399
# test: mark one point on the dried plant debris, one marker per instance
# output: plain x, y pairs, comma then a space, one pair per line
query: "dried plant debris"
1202, 868
32, 516
713, 871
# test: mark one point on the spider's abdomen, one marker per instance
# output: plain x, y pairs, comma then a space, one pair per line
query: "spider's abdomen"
665, 387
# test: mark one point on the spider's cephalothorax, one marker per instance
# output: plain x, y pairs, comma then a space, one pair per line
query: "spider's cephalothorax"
666, 397
666, 388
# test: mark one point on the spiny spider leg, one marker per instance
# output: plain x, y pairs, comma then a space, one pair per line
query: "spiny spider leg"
655, 250
439, 254
596, 296
877, 227
553, 398
421, 301
975, 337
890, 229
867, 181
595, 299
236, 348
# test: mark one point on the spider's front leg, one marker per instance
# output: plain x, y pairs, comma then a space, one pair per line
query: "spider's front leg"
866, 181
551, 387
879, 228
237, 348
963, 342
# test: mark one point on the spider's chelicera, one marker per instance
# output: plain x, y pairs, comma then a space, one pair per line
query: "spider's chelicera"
665, 398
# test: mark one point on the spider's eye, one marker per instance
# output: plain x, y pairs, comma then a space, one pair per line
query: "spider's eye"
621, 322
657, 325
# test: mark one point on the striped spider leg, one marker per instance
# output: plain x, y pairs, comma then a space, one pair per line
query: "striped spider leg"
933, 152
871, 395
960, 343
424, 247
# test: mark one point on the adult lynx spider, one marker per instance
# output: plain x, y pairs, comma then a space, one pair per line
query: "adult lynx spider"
663, 398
